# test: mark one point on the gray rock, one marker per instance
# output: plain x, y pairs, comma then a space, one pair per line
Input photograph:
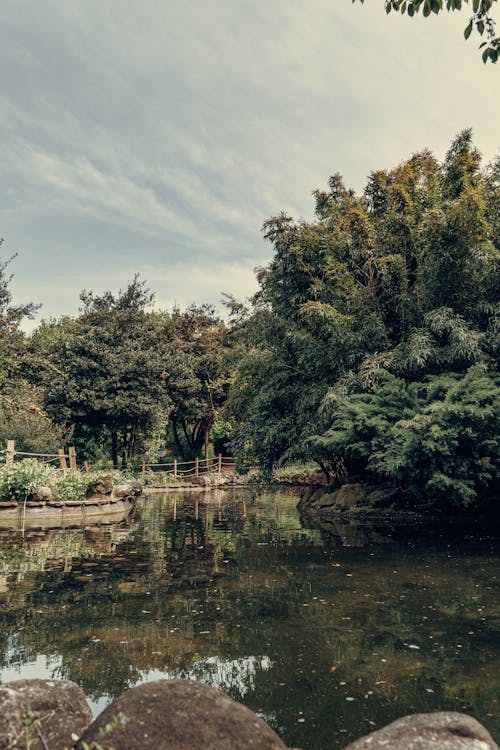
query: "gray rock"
179, 715
350, 495
444, 730
129, 489
34, 709
42, 494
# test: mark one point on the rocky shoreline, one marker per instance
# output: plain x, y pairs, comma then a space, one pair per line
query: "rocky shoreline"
185, 715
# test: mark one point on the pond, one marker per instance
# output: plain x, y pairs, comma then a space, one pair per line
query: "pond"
326, 633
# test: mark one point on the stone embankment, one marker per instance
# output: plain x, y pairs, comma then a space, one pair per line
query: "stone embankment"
103, 503
232, 479
186, 715
207, 481
354, 499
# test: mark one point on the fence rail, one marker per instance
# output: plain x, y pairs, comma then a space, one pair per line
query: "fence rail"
180, 469
61, 456
219, 464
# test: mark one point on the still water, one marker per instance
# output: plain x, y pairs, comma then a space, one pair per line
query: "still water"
326, 633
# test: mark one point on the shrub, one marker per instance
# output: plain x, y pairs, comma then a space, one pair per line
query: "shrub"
21, 479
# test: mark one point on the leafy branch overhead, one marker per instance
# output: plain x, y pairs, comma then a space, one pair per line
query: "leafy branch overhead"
480, 19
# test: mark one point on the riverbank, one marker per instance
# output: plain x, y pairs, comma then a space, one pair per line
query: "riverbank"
299, 479
385, 503
42, 508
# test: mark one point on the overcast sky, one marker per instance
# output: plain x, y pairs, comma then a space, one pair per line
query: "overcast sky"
157, 136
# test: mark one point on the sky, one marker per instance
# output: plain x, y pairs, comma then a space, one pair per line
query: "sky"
156, 137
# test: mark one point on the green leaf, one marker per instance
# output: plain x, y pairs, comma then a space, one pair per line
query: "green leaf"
468, 30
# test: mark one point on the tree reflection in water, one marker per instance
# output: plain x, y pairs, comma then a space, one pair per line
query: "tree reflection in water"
325, 632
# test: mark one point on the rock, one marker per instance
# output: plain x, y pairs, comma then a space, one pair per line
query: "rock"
42, 494
350, 495
102, 486
32, 709
382, 497
180, 715
137, 487
130, 489
444, 730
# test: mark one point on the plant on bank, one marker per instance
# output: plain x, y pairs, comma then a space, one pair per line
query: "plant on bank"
439, 437
21, 480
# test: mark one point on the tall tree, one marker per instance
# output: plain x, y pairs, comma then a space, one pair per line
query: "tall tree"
401, 281
110, 381
19, 401
199, 375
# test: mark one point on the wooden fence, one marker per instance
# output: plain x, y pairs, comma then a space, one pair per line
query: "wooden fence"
179, 469
63, 459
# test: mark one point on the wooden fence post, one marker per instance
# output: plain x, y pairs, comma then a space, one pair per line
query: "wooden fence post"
175, 468
62, 459
196, 467
85, 466
220, 463
143, 468
11, 449
72, 457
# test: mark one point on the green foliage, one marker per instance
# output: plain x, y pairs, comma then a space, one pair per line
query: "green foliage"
199, 376
480, 20
439, 437
107, 382
361, 309
124, 379
16, 397
22, 478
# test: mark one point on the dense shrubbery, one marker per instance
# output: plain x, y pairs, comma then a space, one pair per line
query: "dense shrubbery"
21, 479
439, 437
372, 343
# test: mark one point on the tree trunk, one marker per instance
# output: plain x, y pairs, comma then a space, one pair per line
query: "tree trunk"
177, 440
114, 448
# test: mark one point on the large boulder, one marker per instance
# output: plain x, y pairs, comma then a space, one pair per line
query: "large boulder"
42, 494
42, 713
443, 730
128, 489
103, 485
179, 715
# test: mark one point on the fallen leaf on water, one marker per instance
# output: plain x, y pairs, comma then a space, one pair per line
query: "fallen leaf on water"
333, 668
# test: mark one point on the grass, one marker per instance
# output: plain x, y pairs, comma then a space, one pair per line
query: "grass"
297, 468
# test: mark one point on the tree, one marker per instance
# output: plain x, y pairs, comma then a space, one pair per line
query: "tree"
480, 19
199, 375
109, 381
18, 400
401, 282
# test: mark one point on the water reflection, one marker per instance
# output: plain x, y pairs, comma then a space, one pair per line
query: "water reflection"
326, 632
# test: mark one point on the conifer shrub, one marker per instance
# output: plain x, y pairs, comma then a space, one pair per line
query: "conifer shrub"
438, 437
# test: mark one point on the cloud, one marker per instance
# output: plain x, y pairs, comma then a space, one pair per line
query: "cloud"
158, 135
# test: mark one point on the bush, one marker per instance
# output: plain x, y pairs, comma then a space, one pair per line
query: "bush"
21, 479
439, 437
